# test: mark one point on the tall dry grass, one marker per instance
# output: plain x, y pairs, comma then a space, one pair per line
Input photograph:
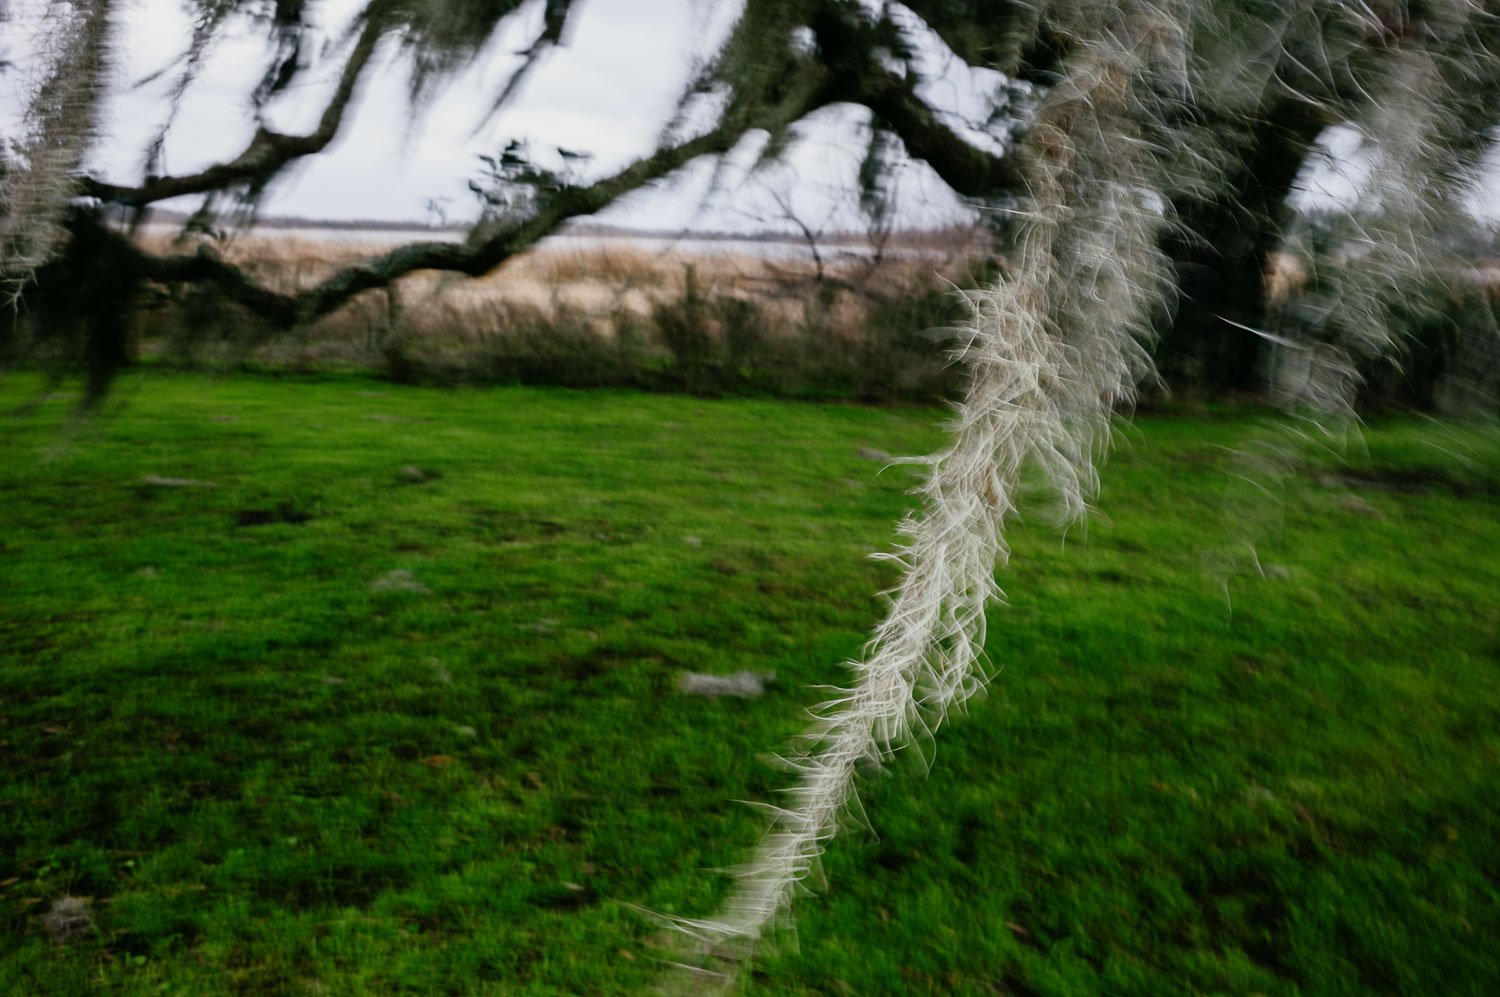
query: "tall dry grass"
609, 311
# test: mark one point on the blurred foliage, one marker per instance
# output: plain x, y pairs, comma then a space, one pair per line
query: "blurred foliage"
1450, 360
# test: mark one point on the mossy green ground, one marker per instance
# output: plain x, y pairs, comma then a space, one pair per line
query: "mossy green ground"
272, 777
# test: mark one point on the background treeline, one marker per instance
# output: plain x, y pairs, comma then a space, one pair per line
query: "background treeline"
819, 321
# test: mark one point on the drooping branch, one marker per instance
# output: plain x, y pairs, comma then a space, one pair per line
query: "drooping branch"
982, 32
206, 267
850, 47
288, 310
478, 259
773, 83
968, 169
268, 152
554, 24
1052, 349
849, 72
58, 124
1429, 118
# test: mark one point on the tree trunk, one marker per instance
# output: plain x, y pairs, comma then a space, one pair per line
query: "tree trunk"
1221, 251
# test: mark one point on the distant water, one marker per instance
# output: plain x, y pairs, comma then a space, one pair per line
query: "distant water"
377, 240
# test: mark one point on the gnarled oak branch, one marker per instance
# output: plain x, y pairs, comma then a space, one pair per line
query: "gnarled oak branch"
266, 155
475, 259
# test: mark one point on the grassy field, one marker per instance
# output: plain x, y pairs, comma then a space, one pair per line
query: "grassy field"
387, 703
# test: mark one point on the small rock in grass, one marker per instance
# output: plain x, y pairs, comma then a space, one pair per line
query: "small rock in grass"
1350, 502
411, 474
746, 685
157, 481
399, 580
693, 541
69, 919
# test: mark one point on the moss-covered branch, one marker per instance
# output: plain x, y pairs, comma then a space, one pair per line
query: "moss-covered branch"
288, 310
267, 154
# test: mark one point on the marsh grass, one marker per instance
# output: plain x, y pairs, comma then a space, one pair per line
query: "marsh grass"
267, 774
612, 314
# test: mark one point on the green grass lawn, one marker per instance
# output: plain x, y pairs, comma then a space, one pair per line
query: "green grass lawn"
272, 773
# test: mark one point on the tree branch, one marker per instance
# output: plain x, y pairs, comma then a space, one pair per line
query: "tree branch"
965, 167
554, 23
849, 47
479, 259
266, 155
286, 311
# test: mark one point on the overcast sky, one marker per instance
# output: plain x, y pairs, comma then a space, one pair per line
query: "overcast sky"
609, 92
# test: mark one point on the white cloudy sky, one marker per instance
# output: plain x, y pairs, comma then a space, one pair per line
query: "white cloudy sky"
609, 92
